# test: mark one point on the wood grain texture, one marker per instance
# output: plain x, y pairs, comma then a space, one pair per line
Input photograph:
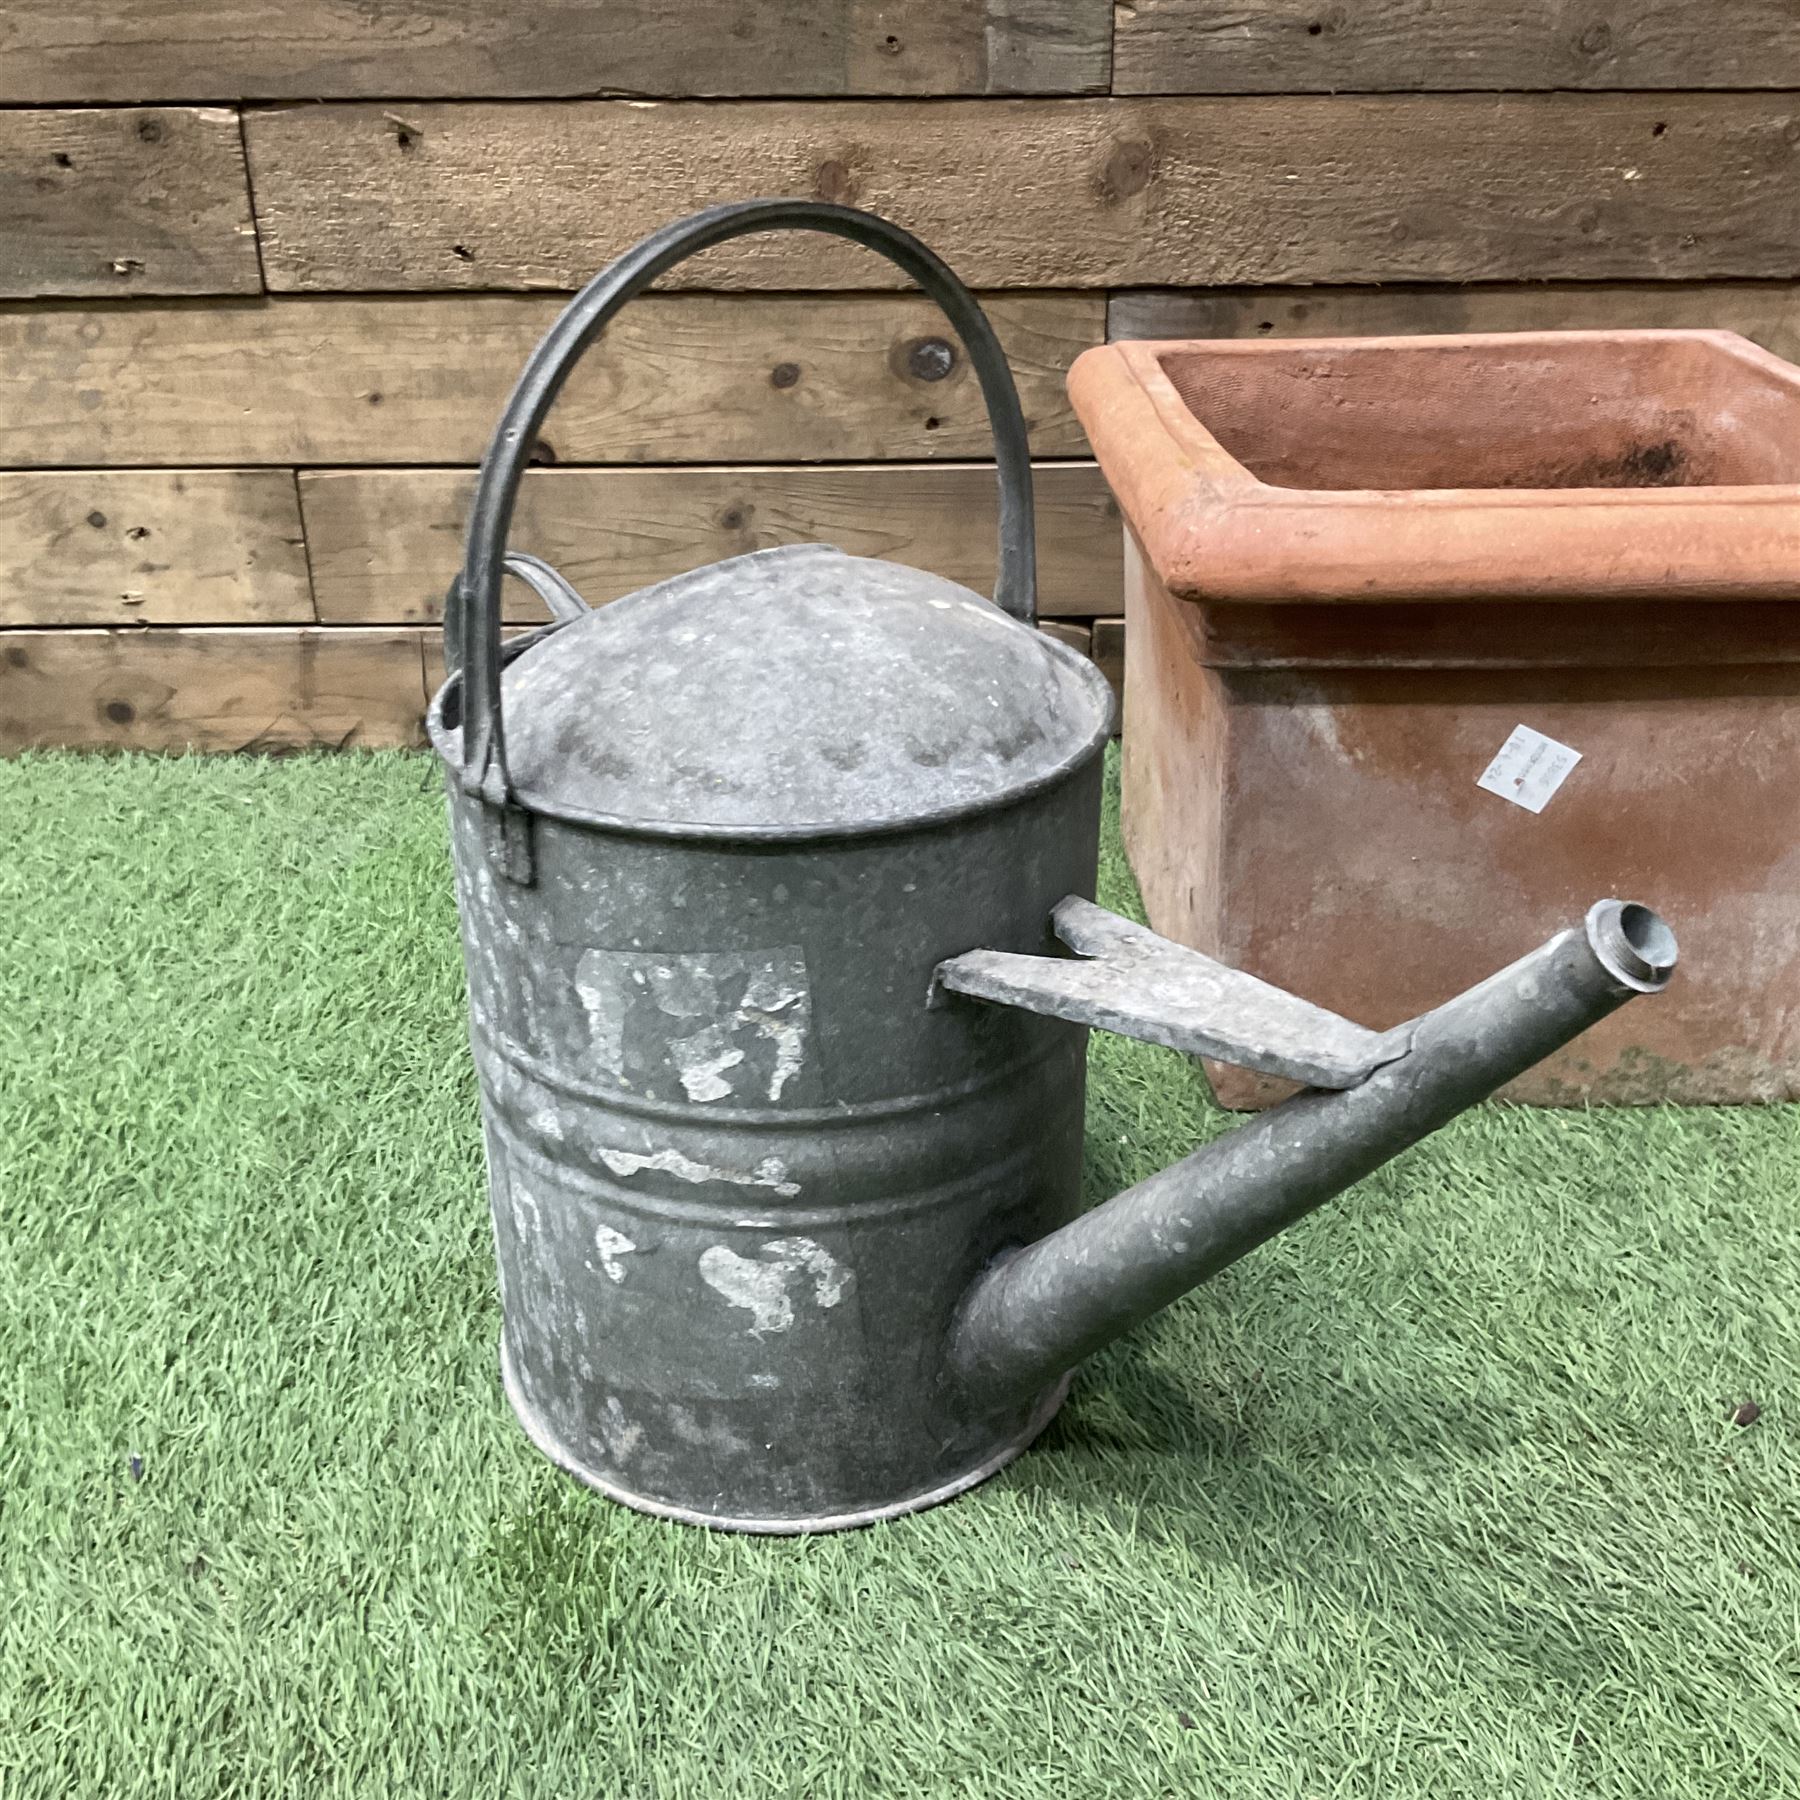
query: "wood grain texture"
1034, 193
1388, 46
1767, 312
385, 543
152, 547
687, 378
1107, 647
233, 688
152, 200
94, 52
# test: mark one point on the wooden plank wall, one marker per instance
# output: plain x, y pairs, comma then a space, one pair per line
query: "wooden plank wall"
267, 271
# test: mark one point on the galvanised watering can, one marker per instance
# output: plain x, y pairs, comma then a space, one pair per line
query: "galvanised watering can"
776, 892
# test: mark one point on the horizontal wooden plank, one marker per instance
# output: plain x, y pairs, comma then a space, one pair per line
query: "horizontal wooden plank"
230, 688
152, 200
686, 378
1768, 312
384, 543
1044, 193
1077, 634
1397, 46
94, 51
152, 547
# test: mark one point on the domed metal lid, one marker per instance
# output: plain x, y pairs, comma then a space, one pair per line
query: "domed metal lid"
795, 691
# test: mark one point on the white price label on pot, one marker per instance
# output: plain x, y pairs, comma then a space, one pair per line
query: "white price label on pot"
1529, 769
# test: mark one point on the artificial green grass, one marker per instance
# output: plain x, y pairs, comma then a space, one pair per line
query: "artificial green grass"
1437, 1495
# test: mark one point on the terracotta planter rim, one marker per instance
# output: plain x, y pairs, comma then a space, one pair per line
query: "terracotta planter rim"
1212, 528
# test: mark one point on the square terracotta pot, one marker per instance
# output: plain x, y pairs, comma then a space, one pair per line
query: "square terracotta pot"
1354, 567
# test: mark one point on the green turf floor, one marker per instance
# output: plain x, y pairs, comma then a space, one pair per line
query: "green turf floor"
1436, 1496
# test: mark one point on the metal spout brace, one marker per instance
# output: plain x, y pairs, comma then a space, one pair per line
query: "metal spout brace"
1126, 979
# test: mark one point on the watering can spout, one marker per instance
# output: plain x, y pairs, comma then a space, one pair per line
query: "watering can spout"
1033, 1314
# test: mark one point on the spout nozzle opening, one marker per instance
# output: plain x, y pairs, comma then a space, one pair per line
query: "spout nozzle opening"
1634, 942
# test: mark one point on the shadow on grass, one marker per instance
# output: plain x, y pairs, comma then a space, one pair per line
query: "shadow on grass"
1423, 1506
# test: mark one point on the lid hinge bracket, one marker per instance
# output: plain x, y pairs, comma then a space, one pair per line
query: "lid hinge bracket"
507, 840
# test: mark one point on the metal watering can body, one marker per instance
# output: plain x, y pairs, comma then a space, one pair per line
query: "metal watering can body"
768, 879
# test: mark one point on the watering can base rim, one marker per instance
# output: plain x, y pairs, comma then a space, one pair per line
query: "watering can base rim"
996, 1460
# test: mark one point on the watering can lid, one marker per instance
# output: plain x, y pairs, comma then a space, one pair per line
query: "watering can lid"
795, 691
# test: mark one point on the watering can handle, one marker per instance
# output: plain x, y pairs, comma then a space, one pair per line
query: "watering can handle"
472, 613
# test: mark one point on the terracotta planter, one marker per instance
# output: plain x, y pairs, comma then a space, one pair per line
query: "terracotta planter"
1354, 567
